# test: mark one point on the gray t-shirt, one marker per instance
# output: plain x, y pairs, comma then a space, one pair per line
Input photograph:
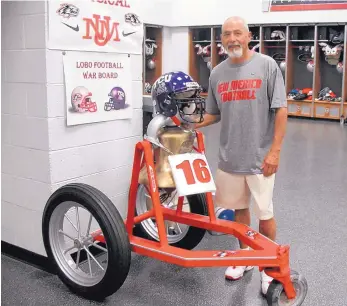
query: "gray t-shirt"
246, 95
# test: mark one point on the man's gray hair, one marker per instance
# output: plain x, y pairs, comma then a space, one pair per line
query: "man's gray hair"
238, 18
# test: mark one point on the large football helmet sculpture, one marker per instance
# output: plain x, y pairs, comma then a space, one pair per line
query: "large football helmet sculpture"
81, 100
176, 93
176, 99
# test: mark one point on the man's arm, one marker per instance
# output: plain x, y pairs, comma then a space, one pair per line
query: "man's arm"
278, 101
280, 128
208, 120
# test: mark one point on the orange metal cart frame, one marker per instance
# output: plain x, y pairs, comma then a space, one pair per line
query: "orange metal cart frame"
266, 254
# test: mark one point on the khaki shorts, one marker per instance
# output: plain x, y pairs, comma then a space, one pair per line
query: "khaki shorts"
234, 191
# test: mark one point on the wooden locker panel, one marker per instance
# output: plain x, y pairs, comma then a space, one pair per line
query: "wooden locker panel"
200, 55
298, 77
274, 43
328, 110
152, 63
300, 108
327, 75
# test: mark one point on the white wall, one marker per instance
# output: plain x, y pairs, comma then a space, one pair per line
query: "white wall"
25, 177
207, 12
175, 48
157, 12
39, 152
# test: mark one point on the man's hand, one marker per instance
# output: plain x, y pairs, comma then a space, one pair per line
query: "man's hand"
270, 163
208, 120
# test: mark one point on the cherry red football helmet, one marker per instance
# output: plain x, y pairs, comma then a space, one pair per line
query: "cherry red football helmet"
81, 100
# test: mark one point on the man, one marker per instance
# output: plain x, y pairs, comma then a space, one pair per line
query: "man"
247, 94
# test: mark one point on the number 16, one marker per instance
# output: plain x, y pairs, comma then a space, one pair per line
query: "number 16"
199, 167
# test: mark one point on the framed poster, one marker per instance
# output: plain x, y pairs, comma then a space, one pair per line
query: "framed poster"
94, 25
303, 5
97, 87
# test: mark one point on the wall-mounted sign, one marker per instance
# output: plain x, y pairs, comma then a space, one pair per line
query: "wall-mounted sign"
97, 87
303, 5
95, 25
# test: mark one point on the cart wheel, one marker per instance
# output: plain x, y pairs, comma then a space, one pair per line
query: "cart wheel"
178, 235
75, 217
276, 295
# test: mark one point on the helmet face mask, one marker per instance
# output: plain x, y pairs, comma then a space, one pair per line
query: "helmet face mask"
88, 104
191, 110
176, 93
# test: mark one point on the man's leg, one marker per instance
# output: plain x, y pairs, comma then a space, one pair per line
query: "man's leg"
233, 193
243, 216
268, 228
261, 188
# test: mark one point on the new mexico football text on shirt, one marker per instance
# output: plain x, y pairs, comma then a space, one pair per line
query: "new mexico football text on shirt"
246, 96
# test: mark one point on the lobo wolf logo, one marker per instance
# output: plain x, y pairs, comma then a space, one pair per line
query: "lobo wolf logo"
133, 19
68, 10
104, 29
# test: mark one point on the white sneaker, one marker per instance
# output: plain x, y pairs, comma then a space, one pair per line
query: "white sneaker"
235, 273
265, 282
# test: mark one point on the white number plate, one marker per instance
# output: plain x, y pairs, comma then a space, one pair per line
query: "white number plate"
191, 173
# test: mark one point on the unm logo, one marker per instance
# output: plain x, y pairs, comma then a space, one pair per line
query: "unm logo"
104, 29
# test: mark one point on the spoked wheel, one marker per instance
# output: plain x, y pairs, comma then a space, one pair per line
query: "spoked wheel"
276, 295
76, 220
178, 235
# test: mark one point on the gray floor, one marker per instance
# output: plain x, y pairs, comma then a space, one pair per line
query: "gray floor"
311, 209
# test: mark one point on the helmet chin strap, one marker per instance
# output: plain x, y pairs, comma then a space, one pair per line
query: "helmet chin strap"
176, 121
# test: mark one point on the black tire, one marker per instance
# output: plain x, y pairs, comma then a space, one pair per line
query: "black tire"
275, 290
198, 205
113, 228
